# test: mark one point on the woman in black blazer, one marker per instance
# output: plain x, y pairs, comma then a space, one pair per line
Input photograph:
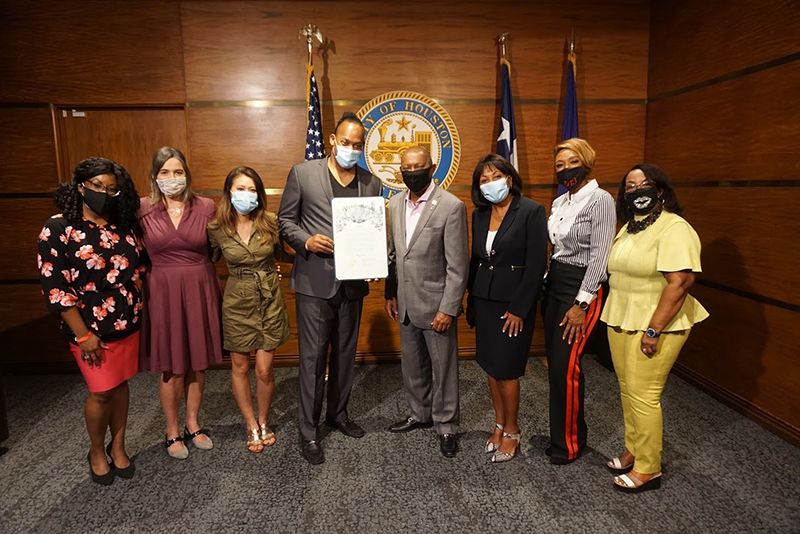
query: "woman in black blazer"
509, 256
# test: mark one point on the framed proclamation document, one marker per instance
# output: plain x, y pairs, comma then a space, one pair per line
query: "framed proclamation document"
359, 237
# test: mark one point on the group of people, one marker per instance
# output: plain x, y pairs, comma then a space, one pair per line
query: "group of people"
176, 321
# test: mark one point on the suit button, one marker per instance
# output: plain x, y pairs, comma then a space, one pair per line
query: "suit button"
491, 267
493, 253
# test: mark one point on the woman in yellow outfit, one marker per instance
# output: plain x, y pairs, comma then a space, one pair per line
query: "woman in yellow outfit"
649, 314
254, 317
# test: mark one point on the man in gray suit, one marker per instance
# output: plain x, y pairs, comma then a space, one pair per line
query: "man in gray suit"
428, 270
328, 311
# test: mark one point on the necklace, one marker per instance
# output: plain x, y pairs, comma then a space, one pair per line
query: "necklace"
174, 212
634, 226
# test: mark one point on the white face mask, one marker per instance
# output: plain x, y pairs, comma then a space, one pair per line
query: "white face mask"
172, 186
347, 157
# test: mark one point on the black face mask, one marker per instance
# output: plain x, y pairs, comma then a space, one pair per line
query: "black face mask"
571, 178
97, 201
642, 201
417, 181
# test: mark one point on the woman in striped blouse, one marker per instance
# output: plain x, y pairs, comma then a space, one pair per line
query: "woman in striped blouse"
581, 227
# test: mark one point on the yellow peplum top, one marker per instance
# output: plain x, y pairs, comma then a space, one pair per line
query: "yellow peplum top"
635, 267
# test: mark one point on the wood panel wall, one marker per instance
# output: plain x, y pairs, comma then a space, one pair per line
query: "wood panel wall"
237, 72
722, 120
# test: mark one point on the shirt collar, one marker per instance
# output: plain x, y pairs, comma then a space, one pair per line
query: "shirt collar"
585, 191
424, 197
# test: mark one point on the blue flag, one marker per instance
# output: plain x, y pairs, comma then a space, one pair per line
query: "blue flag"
507, 140
315, 146
569, 125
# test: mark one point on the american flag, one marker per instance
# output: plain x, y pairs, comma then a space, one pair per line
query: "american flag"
315, 147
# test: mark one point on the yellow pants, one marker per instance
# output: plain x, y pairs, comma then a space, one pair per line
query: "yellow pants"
641, 381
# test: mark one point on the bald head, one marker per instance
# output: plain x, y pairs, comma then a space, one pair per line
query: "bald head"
416, 157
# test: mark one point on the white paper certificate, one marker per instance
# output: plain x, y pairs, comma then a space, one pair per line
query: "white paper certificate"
359, 237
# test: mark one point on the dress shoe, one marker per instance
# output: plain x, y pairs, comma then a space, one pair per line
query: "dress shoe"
103, 480
126, 472
312, 452
347, 427
409, 424
448, 445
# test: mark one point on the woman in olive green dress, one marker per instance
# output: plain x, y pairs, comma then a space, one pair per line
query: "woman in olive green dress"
254, 317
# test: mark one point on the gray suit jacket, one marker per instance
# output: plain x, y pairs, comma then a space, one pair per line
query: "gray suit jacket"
430, 274
305, 211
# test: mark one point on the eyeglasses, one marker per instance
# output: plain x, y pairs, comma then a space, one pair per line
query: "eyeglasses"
630, 188
111, 190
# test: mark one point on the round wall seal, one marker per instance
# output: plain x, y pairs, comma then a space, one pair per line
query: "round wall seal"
399, 120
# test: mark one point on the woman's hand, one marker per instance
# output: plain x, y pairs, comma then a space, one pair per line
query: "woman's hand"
649, 345
575, 320
513, 324
91, 351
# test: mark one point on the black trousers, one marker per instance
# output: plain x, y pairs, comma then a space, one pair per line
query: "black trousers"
323, 323
567, 424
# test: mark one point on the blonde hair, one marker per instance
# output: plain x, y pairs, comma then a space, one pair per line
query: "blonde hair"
226, 215
584, 151
159, 159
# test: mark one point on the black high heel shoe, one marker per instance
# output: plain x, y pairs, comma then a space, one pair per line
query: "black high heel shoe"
127, 472
103, 480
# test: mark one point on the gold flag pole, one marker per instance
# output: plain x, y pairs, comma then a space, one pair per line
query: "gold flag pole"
501, 40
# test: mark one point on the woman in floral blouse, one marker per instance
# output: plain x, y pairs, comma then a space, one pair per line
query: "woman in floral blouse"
89, 260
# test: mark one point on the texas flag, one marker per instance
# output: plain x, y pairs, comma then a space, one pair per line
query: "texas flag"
507, 140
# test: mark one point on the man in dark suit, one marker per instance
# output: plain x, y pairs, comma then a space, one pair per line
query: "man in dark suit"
328, 311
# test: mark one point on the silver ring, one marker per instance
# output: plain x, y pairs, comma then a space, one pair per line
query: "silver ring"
644, 351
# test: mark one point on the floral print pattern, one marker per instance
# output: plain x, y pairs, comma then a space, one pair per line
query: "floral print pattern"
94, 268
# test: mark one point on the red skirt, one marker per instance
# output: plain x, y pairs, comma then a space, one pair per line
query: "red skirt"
121, 363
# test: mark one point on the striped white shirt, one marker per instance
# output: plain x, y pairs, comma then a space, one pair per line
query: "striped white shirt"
581, 228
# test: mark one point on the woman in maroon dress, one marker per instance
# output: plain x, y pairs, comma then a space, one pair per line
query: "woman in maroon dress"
89, 264
181, 335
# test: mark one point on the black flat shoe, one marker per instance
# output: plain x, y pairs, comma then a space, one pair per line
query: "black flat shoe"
347, 427
409, 424
127, 472
448, 444
312, 452
103, 480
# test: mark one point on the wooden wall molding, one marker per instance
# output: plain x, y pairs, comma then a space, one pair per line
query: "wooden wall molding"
774, 424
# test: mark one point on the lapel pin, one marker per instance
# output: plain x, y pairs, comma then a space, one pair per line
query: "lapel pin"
435, 202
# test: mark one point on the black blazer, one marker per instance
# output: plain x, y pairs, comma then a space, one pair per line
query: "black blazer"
514, 270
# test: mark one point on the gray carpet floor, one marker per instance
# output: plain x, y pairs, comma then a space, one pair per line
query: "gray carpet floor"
722, 472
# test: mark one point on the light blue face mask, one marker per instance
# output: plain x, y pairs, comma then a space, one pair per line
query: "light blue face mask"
347, 157
244, 201
495, 191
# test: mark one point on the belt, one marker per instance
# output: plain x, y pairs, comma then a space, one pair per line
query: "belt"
260, 277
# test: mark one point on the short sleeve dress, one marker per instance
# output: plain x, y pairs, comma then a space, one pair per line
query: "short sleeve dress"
181, 330
95, 268
254, 315
635, 267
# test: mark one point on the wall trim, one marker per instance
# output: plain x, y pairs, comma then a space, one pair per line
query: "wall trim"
750, 296
442, 101
766, 420
727, 77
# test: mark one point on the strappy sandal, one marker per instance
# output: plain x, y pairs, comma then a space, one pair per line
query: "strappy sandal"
499, 457
627, 483
615, 465
267, 436
491, 446
180, 454
254, 440
206, 445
